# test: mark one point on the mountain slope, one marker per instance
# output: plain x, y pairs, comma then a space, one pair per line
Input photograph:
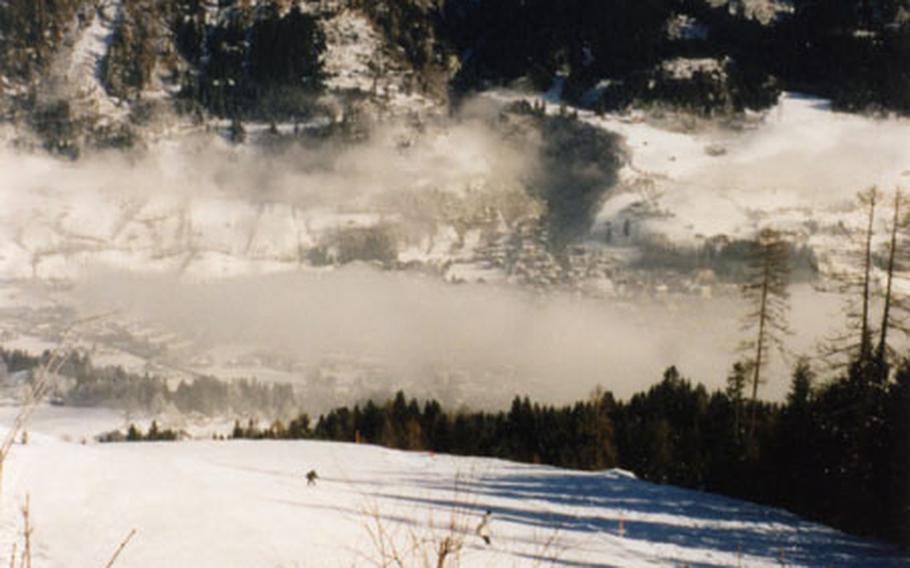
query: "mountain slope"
248, 504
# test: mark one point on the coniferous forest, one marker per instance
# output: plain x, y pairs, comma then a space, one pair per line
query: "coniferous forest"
263, 61
84, 384
834, 451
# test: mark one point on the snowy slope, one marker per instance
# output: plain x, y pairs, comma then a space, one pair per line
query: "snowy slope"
85, 61
801, 164
352, 47
198, 504
797, 168
357, 59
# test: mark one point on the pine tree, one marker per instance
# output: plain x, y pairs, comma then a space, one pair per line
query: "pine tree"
766, 293
133, 434
794, 468
132, 56
897, 520
153, 431
800, 394
735, 391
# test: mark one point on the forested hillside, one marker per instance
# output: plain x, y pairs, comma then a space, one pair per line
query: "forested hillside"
835, 452
266, 60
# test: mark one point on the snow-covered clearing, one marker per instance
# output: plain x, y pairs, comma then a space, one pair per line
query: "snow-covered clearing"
802, 163
241, 503
796, 167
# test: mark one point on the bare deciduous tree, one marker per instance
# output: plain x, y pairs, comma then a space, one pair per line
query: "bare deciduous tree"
895, 308
869, 199
766, 293
855, 281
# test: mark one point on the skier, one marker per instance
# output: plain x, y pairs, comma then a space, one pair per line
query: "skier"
483, 529
311, 477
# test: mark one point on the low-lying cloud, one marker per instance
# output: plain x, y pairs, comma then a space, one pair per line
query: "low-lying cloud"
556, 347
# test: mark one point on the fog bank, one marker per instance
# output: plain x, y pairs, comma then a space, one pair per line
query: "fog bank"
554, 348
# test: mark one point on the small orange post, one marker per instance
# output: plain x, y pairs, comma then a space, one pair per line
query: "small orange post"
622, 525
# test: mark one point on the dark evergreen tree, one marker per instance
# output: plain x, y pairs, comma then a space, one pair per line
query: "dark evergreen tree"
735, 391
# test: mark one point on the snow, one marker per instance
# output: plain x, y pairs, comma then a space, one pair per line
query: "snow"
687, 67
357, 59
799, 163
796, 165
246, 504
684, 27
352, 46
86, 59
242, 503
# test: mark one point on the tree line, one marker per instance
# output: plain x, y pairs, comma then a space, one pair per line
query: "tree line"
260, 61
835, 452
83, 384
855, 52
241, 58
155, 433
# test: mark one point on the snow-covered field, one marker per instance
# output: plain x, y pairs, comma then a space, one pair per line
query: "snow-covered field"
796, 168
224, 504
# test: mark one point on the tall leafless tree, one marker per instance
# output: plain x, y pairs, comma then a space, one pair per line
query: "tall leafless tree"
895, 308
855, 283
869, 199
766, 293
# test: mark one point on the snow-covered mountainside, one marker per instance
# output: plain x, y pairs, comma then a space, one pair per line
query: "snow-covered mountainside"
127, 73
688, 187
209, 503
